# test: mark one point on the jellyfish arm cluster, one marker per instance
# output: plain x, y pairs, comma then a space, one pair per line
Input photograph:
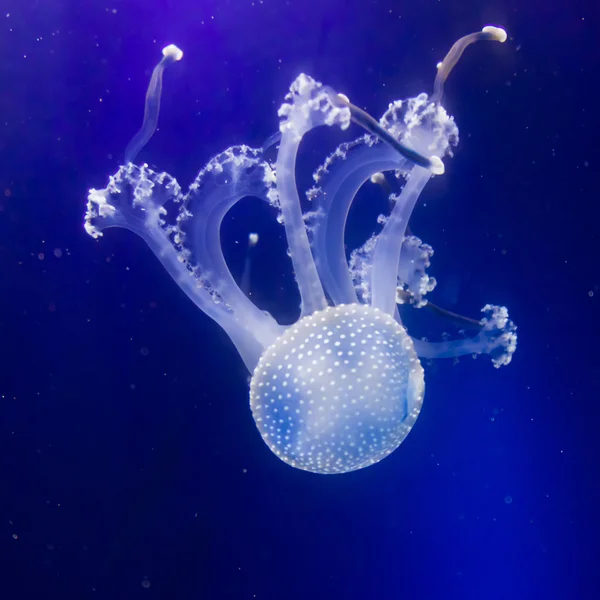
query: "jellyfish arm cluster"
341, 388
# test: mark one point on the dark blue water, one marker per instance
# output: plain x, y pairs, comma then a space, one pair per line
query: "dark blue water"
130, 465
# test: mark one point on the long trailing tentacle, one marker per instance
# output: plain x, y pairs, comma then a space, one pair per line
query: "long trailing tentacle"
171, 54
489, 32
366, 121
187, 240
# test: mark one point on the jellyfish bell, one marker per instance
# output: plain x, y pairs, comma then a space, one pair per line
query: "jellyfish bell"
339, 390
342, 387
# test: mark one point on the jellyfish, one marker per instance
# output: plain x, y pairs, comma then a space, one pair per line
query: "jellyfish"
341, 388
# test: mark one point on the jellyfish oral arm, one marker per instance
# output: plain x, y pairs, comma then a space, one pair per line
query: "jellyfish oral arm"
309, 284
495, 335
134, 200
189, 245
338, 181
386, 256
228, 178
309, 105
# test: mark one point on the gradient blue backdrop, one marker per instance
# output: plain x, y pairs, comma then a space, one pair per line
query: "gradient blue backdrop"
130, 466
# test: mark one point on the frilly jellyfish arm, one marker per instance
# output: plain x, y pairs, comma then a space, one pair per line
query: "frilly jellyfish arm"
350, 166
308, 106
232, 175
134, 199
386, 255
311, 104
496, 336
387, 250
415, 258
171, 54
189, 245
338, 180
412, 280
426, 126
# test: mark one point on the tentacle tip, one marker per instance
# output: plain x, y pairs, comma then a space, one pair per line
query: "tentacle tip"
173, 52
343, 98
436, 166
378, 178
498, 33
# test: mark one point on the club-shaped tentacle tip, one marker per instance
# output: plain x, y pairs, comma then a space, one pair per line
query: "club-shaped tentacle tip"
498, 33
173, 52
436, 165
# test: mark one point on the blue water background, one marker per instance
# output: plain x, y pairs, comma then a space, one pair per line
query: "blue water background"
130, 466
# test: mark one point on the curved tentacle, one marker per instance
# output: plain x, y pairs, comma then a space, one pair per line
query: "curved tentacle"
339, 179
489, 32
171, 54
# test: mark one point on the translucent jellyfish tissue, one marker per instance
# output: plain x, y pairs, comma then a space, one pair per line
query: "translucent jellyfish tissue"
341, 388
